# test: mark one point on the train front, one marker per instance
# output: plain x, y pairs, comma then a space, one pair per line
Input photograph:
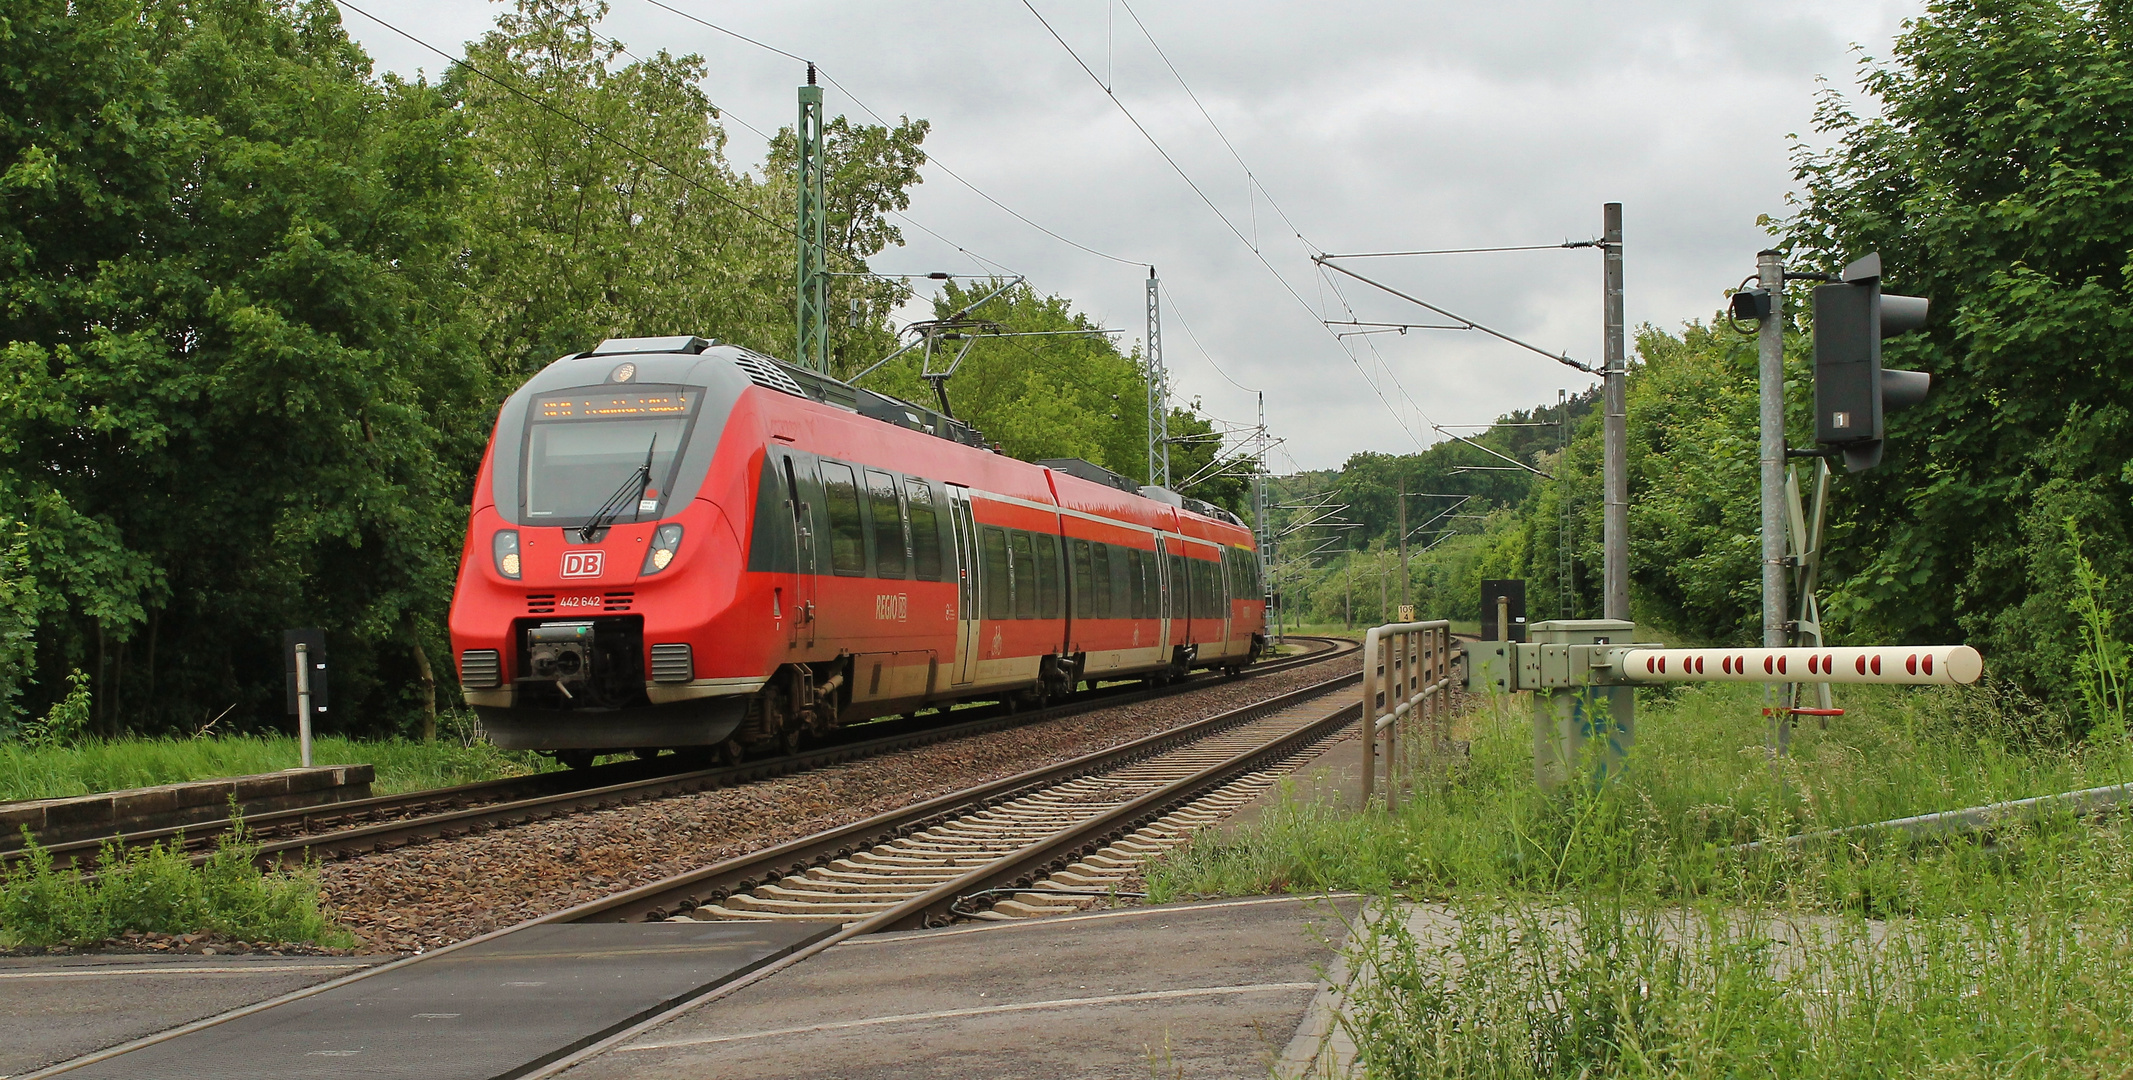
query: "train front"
604, 553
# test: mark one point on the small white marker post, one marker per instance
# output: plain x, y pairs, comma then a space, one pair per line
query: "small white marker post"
303, 701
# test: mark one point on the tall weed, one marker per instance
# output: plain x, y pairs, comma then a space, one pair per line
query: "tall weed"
157, 890
2101, 667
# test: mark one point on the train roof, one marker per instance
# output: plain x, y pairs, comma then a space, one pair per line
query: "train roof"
689, 351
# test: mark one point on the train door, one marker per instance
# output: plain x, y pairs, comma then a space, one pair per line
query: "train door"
1228, 583
1162, 592
966, 575
801, 628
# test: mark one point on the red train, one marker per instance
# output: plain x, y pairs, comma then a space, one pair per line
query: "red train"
677, 543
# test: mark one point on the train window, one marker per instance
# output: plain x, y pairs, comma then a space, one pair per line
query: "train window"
993, 568
848, 546
886, 517
1047, 577
1136, 597
1025, 577
925, 531
1151, 587
1180, 588
1102, 586
1084, 602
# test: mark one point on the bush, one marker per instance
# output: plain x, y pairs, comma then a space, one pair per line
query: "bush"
157, 890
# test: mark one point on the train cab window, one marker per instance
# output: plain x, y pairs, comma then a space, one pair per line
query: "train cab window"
1025, 560
1047, 577
992, 566
848, 545
1103, 587
1084, 602
1136, 596
885, 519
925, 531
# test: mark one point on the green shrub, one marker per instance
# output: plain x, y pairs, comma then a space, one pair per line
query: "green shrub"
157, 890
46, 770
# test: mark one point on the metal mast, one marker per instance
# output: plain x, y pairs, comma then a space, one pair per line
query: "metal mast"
1770, 355
1266, 536
1615, 374
1158, 393
811, 229
1564, 601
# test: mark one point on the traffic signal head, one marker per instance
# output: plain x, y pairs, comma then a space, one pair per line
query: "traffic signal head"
1852, 390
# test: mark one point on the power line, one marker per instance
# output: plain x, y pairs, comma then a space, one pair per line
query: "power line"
587, 128
1466, 251
1241, 238
878, 118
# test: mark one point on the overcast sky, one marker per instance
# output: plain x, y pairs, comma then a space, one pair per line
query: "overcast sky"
1370, 125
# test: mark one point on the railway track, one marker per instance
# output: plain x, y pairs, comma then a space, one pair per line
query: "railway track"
1024, 839
1076, 826
348, 829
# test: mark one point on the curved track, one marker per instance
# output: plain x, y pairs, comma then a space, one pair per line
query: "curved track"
348, 829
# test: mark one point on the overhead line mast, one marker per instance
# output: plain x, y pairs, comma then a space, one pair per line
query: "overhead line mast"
1158, 391
813, 303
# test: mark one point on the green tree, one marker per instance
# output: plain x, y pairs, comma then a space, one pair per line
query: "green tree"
1070, 393
233, 379
1992, 179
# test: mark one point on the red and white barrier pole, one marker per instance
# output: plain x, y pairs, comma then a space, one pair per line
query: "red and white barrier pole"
1917, 665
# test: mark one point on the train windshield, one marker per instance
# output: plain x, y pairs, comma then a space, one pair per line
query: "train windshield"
583, 445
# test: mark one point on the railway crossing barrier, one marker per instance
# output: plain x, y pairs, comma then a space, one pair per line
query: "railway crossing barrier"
1584, 674
1407, 673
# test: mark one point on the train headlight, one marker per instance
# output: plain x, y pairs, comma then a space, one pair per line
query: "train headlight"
505, 547
665, 542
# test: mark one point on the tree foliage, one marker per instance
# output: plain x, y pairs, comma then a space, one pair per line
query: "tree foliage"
1070, 393
1994, 180
228, 400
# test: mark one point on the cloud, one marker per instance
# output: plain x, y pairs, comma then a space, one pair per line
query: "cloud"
1374, 125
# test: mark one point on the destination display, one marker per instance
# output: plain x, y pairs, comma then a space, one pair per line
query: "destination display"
580, 405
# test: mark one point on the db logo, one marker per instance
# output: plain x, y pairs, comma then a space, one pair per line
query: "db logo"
583, 563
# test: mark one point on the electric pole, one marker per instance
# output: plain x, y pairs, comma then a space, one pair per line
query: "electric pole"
1348, 595
813, 304
1158, 394
1770, 354
1406, 594
1615, 375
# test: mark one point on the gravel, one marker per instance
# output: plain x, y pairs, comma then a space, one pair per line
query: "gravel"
431, 894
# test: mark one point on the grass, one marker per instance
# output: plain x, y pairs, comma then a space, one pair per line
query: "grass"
45, 772
156, 890
1568, 958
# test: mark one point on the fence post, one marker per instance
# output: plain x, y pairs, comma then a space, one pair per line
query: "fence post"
1370, 713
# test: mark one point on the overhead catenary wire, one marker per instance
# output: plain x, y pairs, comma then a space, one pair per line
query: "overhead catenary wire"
628, 148
931, 159
1463, 251
1224, 218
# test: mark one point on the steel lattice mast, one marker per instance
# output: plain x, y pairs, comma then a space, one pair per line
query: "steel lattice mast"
813, 306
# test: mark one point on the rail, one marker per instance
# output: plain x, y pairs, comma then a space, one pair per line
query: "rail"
1407, 672
342, 830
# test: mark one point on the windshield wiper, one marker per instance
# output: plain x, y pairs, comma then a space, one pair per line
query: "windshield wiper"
632, 490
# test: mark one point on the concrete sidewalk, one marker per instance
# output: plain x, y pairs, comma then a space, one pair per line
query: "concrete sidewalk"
1196, 990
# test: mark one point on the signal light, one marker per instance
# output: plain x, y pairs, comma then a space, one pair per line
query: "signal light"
1853, 391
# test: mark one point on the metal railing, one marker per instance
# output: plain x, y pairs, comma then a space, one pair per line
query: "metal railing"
1407, 676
